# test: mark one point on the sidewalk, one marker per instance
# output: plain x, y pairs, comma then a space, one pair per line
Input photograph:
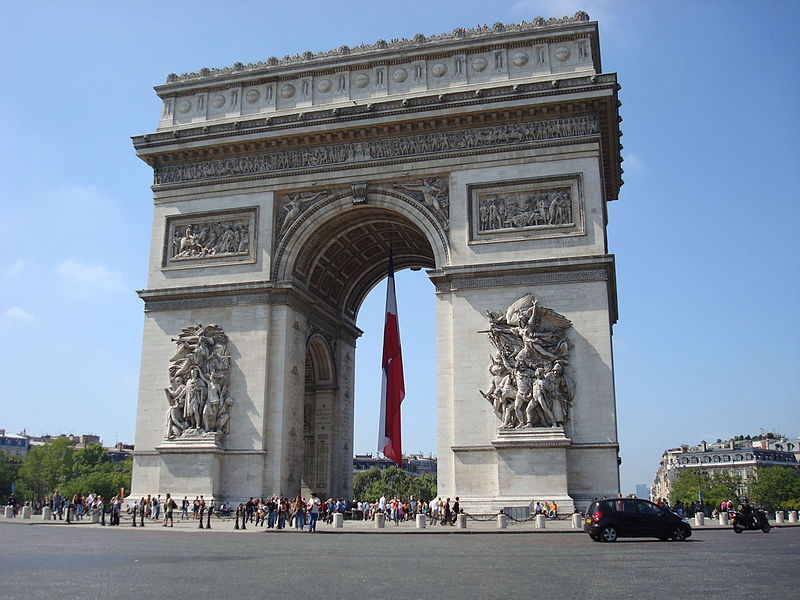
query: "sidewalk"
353, 527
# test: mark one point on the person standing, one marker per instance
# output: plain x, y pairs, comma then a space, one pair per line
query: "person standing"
169, 506
313, 512
456, 510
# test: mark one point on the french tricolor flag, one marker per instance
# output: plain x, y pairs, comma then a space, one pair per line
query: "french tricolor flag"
393, 388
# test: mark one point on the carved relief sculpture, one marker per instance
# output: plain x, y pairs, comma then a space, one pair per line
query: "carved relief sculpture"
220, 238
434, 194
295, 204
199, 378
203, 239
520, 209
530, 386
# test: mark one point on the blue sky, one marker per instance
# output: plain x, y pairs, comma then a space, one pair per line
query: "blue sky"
705, 230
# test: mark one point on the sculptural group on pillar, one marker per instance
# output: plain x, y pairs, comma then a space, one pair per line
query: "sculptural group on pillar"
530, 386
198, 396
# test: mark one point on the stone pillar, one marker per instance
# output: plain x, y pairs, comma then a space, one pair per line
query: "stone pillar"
421, 522
540, 521
95, 516
9, 512
699, 519
380, 520
502, 521
723, 518
461, 521
26, 512
792, 516
47, 513
779, 516
577, 521
338, 520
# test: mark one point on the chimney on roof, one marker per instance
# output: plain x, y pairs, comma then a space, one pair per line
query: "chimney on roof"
684, 448
704, 445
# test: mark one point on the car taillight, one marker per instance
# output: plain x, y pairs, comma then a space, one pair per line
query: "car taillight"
597, 516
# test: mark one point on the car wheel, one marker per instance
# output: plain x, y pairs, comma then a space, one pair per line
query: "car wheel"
608, 534
678, 534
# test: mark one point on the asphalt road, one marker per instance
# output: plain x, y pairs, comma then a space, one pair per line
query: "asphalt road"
120, 563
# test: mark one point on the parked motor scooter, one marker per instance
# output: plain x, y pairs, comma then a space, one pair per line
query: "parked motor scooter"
756, 520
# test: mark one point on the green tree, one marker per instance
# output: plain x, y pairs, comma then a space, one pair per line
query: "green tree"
776, 487
714, 487
90, 459
9, 467
374, 483
46, 468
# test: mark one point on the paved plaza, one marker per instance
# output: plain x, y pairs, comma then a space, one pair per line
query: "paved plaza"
85, 561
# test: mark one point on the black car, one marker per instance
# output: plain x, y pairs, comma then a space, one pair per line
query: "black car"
610, 518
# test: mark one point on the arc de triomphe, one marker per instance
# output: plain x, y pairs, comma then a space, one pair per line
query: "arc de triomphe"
485, 156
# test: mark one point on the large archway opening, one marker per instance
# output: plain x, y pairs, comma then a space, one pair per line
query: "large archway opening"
342, 265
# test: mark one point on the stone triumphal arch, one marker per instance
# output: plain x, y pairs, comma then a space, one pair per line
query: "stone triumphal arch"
485, 156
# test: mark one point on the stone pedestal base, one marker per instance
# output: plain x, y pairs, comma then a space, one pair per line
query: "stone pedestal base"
531, 466
9, 512
461, 521
792, 516
699, 519
723, 518
191, 466
95, 516
779, 516
421, 522
338, 521
540, 522
502, 521
577, 521
380, 520
26, 512
47, 513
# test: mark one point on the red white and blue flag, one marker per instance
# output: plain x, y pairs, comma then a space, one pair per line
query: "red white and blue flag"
393, 388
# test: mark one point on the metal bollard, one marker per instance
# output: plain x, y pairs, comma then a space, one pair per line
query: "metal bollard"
208, 519
699, 519
380, 520
236, 525
133, 522
422, 522
540, 522
461, 521
338, 521
202, 514
502, 521
577, 521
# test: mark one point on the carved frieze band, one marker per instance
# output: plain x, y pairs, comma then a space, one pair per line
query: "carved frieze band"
527, 209
422, 145
206, 301
464, 283
212, 238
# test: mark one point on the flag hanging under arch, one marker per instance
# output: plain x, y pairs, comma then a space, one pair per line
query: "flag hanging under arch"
392, 386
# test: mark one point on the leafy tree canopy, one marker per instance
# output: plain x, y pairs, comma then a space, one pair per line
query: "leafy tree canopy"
776, 487
393, 481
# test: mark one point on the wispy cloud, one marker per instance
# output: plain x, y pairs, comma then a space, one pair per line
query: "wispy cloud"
15, 313
632, 163
17, 267
90, 278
